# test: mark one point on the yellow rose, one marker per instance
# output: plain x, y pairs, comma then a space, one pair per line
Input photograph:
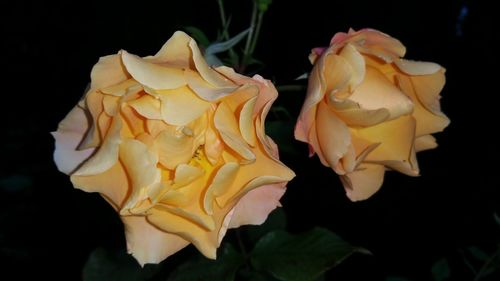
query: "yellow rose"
176, 147
368, 110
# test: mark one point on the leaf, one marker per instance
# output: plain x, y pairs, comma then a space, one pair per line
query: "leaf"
302, 257
107, 265
220, 47
202, 269
282, 133
198, 35
275, 221
441, 270
263, 5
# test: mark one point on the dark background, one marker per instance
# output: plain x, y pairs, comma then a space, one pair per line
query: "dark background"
48, 229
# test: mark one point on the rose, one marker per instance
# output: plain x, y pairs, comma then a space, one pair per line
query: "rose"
176, 147
368, 110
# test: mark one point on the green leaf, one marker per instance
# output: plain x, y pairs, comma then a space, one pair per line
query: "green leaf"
281, 131
105, 265
219, 47
224, 268
198, 35
275, 221
302, 257
441, 270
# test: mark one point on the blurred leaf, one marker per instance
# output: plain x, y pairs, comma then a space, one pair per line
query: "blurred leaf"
220, 47
304, 75
300, 257
263, 5
497, 218
224, 268
396, 278
275, 221
490, 266
16, 183
478, 253
106, 265
198, 35
282, 133
441, 270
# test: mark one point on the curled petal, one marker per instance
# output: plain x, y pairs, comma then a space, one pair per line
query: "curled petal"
68, 136
148, 244
153, 75
364, 182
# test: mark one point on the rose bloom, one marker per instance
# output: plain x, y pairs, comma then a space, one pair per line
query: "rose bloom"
367, 109
176, 147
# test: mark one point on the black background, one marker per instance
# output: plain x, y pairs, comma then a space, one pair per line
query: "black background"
48, 229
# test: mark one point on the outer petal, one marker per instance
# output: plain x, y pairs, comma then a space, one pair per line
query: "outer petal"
427, 121
68, 136
364, 182
257, 204
425, 143
153, 75
147, 243
108, 71
333, 136
175, 51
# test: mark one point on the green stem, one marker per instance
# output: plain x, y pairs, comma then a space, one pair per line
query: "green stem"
290, 88
252, 27
223, 20
257, 32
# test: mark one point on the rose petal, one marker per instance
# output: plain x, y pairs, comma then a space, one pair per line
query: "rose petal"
210, 75
108, 71
174, 147
376, 92
220, 184
175, 102
333, 136
153, 75
364, 182
140, 165
247, 125
68, 136
256, 205
417, 67
427, 122
188, 230
226, 124
391, 147
106, 155
175, 51
425, 143
112, 184
148, 244
147, 106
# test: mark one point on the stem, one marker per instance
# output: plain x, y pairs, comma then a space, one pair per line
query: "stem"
257, 32
252, 27
242, 247
485, 265
223, 20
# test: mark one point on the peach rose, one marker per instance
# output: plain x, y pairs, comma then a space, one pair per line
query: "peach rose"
176, 147
367, 109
